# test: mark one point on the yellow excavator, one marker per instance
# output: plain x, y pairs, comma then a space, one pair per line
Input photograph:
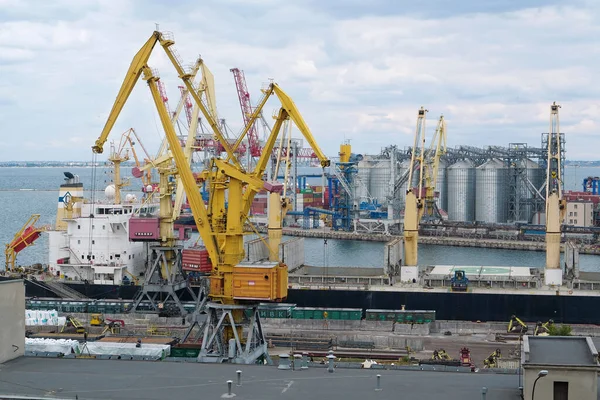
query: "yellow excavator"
440, 354
73, 322
543, 329
492, 360
515, 325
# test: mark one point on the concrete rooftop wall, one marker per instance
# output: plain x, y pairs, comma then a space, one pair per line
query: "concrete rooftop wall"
12, 314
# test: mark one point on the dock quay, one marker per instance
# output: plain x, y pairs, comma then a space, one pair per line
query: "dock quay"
435, 240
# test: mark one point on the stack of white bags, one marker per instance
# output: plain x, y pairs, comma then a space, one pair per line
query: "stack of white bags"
65, 346
43, 317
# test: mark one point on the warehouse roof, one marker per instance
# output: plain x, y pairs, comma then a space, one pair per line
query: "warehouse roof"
118, 379
559, 351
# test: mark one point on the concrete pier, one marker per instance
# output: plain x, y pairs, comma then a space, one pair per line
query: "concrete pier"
436, 240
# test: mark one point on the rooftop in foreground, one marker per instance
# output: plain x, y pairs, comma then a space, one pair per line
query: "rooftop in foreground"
103, 379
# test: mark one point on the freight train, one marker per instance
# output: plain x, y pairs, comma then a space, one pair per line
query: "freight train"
278, 311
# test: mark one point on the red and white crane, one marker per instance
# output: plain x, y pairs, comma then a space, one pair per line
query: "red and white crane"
247, 110
246, 106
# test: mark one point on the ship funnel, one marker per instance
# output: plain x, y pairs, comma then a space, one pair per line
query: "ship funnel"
68, 206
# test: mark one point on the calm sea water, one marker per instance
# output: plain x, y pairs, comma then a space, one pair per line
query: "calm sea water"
26, 191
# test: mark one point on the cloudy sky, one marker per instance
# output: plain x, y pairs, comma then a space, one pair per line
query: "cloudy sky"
356, 69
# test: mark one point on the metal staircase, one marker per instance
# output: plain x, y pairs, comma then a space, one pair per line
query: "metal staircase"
62, 290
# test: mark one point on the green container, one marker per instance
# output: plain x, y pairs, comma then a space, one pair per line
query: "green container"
184, 352
376, 315
401, 317
298, 313
334, 314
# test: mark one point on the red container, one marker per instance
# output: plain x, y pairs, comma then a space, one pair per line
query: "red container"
196, 259
144, 229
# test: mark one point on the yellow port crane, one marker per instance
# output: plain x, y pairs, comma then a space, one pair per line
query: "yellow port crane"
414, 207
421, 204
436, 150
234, 286
556, 206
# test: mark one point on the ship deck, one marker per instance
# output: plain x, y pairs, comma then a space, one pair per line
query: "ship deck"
101, 379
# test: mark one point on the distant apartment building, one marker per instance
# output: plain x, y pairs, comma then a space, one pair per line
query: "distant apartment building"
580, 213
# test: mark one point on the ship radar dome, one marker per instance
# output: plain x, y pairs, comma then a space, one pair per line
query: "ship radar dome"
130, 198
149, 189
109, 192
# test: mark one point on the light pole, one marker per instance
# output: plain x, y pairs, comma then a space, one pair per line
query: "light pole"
541, 374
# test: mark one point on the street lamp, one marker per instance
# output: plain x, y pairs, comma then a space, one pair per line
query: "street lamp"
541, 374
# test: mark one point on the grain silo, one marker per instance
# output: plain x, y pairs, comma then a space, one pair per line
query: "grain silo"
362, 180
441, 186
461, 191
379, 181
491, 192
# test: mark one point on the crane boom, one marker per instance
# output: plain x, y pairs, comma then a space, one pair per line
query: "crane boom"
133, 74
246, 107
555, 205
437, 148
413, 208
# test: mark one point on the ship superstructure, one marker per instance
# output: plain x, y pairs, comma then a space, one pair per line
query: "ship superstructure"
90, 241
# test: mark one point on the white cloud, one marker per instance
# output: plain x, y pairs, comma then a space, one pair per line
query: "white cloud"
492, 73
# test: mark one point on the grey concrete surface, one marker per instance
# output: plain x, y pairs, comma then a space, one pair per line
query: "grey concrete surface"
12, 312
95, 379
559, 350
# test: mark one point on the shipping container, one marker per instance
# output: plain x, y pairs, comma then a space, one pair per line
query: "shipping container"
196, 259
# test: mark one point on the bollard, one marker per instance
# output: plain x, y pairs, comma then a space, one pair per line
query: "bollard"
378, 383
229, 394
284, 361
330, 359
304, 360
239, 377
483, 393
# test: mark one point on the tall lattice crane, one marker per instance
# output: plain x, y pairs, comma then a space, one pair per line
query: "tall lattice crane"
234, 286
555, 204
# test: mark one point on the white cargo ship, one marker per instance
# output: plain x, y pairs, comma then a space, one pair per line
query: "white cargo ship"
90, 241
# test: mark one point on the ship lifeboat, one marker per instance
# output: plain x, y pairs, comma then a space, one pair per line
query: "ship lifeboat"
29, 235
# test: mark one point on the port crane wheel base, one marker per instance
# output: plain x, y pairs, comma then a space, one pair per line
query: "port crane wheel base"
168, 289
215, 350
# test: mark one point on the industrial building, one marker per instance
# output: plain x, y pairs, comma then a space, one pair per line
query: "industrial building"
560, 367
493, 185
12, 310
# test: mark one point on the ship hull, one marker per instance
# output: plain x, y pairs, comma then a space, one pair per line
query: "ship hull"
571, 309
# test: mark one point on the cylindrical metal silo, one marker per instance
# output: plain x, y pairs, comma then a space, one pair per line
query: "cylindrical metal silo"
362, 180
379, 181
491, 188
441, 186
536, 175
461, 191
